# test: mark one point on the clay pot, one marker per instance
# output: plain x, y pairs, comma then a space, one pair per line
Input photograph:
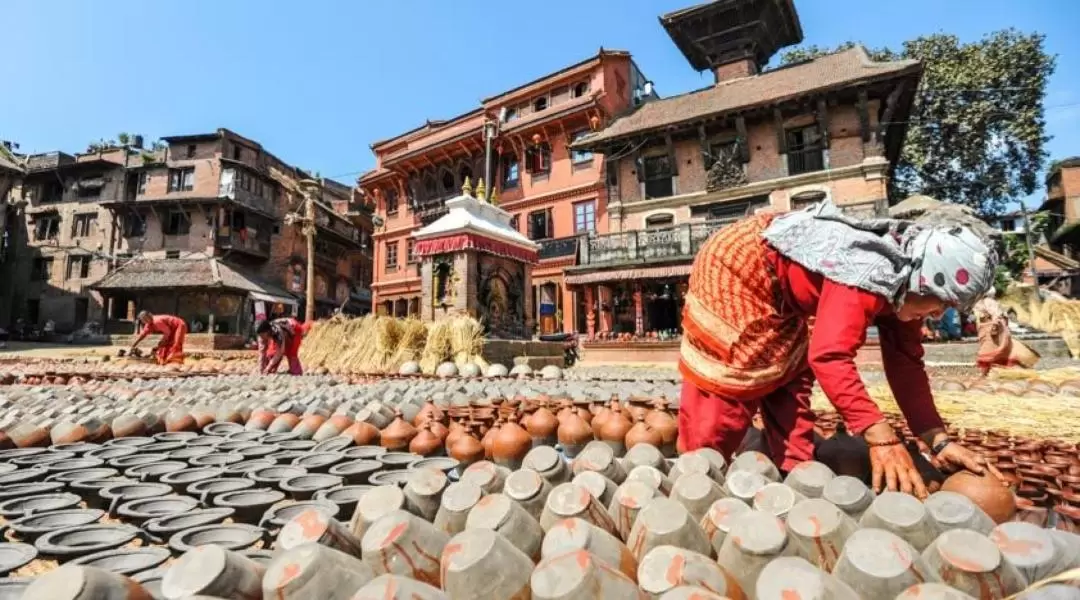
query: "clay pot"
643, 433
488, 441
986, 491
510, 445
542, 426
362, 433
466, 448
613, 431
660, 419
429, 412
426, 442
397, 434
574, 432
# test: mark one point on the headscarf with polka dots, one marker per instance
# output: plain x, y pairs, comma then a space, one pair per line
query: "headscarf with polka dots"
953, 264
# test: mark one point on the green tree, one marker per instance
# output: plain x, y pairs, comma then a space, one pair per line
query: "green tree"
977, 129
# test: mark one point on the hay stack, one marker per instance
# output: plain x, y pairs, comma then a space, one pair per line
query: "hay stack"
1052, 314
380, 344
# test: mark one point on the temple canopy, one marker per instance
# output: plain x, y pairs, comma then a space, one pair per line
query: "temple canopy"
473, 224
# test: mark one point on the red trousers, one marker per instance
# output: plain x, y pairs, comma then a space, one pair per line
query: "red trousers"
720, 422
292, 349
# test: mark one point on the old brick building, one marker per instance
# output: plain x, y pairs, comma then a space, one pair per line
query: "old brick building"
684, 166
11, 174
555, 194
199, 228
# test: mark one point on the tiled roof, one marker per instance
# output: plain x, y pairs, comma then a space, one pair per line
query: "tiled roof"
830, 71
168, 273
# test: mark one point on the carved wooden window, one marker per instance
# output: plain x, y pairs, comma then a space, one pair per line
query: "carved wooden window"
182, 180
540, 104
723, 151
660, 220
410, 251
510, 171
541, 225
538, 159
391, 201
430, 188
585, 216
84, 225
805, 150
657, 173
78, 267
580, 156
391, 255
580, 89
448, 182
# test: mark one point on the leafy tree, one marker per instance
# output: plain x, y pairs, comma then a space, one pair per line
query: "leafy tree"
977, 131
1016, 259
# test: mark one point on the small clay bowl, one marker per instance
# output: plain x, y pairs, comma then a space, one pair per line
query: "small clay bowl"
346, 497
249, 504
108, 453
144, 509
284, 457
163, 447
207, 441
175, 436
134, 460
125, 562
237, 536
20, 490
23, 475
273, 476
247, 435
216, 460
244, 467
366, 452
442, 463
223, 429
28, 505
72, 542
334, 444
356, 471
13, 453
207, 489
304, 487
398, 460
31, 527
296, 444
258, 450
398, 478
162, 528
83, 474
180, 480
277, 516
78, 448
236, 445
263, 557
115, 495
42, 459
277, 438
152, 472
14, 556
190, 452
134, 441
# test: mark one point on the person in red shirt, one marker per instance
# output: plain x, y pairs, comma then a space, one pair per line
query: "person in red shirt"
173, 331
278, 339
777, 302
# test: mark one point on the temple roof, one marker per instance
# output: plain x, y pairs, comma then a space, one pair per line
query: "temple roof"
471, 215
841, 69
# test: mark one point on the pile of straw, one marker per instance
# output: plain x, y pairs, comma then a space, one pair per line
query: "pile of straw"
1032, 417
1045, 311
380, 344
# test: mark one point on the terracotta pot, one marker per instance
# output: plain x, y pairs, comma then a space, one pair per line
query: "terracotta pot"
426, 442
453, 432
542, 426
398, 434
660, 419
573, 434
488, 439
362, 433
466, 448
613, 431
643, 433
986, 491
429, 412
510, 446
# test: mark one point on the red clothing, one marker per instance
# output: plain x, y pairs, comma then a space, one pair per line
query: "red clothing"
287, 332
841, 317
173, 332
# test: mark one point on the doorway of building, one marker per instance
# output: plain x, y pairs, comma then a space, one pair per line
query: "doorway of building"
82, 309
548, 309
33, 311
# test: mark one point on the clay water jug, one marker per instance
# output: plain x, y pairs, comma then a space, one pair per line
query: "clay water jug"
511, 445
660, 419
398, 434
986, 491
455, 431
362, 433
643, 433
613, 431
488, 440
573, 434
542, 426
466, 448
426, 442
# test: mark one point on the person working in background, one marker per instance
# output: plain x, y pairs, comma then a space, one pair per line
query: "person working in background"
173, 331
996, 346
280, 338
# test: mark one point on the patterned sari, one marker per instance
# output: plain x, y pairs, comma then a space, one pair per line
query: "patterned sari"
738, 339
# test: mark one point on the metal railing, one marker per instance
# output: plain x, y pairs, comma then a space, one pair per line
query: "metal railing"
558, 247
648, 245
249, 244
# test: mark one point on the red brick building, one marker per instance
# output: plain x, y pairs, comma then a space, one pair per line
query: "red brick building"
556, 195
684, 166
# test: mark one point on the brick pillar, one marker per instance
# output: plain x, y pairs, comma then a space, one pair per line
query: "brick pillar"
530, 301
590, 310
639, 315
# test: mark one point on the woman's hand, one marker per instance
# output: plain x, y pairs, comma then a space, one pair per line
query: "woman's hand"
892, 467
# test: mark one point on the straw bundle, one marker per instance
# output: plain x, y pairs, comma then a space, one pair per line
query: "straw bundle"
411, 344
1052, 314
1034, 417
439, 347
466, 339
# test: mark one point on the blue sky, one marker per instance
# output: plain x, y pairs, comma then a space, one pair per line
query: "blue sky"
317, 81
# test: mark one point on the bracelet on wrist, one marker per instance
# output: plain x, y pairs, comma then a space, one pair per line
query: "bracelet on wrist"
940, 446
893, 442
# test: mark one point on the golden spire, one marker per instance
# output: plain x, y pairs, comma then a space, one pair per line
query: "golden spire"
466, 188
481, 191
494, 199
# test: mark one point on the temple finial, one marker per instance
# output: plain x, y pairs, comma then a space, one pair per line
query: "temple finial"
466, 188
494, 197
481, 191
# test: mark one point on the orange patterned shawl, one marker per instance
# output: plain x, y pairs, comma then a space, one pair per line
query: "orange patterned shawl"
736, 342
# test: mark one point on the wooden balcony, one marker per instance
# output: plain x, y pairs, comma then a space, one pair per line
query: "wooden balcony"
664, 244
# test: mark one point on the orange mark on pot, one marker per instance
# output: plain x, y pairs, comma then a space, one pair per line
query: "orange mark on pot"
815, 526
311, 524
391, 589
790, 594
395, 533
288, 573
485, 500
1011, 546
582, 559
675, 570
448, 553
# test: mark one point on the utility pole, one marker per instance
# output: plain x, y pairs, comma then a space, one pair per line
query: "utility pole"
309, 187
1030, 248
